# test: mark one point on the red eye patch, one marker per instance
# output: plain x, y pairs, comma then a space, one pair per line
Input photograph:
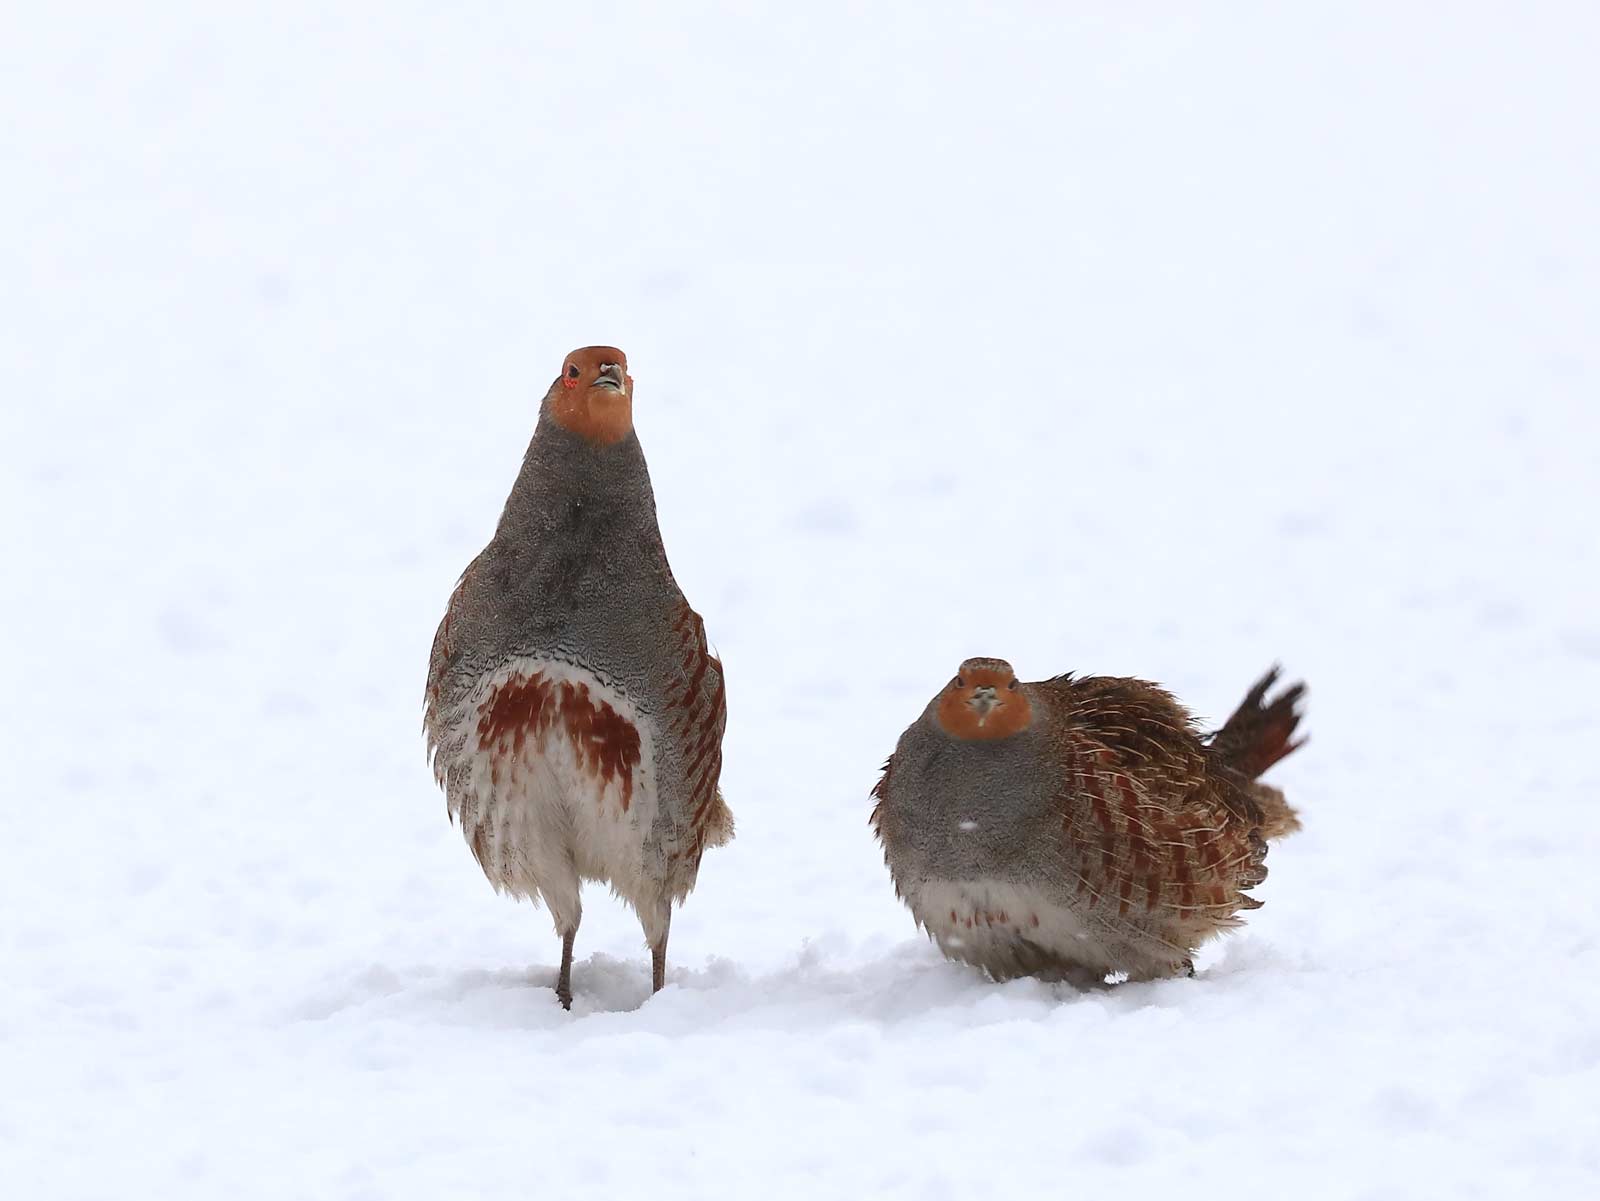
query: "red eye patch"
568, 382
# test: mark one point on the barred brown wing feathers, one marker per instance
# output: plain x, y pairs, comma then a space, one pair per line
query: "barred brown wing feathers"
880, 797
444, 652
441, 656
880, 816
697, 716
1146, 827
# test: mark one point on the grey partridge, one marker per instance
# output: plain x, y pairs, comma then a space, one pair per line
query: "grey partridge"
1079, 829
574, 712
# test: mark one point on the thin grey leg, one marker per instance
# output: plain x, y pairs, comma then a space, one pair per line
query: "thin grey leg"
658, 958
564, 980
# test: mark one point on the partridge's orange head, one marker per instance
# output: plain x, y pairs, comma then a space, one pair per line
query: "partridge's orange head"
593, 396
983, 702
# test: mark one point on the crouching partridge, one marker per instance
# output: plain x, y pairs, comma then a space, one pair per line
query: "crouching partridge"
1074, 829
574, 713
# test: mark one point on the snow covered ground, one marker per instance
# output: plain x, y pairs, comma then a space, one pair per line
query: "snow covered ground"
1170, 343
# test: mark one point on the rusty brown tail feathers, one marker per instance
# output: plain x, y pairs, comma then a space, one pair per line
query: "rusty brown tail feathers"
1260, 733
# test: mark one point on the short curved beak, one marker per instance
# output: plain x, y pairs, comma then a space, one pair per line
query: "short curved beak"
983, 701
611, 376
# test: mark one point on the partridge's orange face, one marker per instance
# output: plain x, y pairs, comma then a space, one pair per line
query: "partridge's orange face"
983, 702
594, 395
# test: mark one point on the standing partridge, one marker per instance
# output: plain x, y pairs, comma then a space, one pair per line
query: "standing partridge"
1074, 829
574, 713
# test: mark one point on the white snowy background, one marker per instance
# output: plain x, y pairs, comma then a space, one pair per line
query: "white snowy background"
1167, 340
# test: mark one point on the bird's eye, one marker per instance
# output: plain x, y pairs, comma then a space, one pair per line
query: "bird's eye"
1012, 686
572, 371
960, 683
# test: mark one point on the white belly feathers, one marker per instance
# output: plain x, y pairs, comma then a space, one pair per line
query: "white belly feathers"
560, 785
992, 924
